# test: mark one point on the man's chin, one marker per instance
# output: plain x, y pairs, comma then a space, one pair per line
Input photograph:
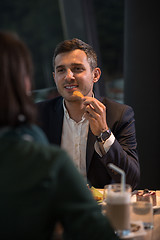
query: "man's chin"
71, 99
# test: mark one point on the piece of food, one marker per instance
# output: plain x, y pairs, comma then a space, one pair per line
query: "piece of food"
134, 227
78, 94
145, 195
98, 196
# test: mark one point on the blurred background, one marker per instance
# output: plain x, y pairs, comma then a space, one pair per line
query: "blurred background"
125, 36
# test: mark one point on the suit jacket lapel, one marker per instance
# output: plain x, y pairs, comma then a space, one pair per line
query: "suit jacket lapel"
56, 122
90, 142
90, 148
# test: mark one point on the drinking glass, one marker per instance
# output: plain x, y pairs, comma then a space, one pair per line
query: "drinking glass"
143, 211
118, 207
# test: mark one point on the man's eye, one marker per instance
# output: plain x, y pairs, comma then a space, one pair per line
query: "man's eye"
78, 69
60, 70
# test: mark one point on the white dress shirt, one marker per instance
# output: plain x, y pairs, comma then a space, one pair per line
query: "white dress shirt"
74, 140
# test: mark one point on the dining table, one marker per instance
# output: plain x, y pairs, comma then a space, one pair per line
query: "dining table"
151, 234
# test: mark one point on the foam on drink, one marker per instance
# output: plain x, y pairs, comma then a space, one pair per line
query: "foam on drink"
118, 197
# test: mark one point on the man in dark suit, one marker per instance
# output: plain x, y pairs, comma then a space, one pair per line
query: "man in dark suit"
94, 131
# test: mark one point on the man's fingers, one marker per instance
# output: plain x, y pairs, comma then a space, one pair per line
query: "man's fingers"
95, 105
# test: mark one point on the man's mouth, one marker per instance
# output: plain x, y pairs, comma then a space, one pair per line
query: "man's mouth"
71, 87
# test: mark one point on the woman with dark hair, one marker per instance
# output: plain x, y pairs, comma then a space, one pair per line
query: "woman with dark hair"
16, 71
39, 185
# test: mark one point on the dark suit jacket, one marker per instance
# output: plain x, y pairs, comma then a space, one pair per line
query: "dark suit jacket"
123, 152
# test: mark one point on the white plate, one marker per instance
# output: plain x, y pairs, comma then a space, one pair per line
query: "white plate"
138, 233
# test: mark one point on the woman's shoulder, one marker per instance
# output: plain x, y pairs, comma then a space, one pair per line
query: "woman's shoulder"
32, 132
27, 132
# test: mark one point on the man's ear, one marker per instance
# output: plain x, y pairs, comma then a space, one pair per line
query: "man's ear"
96, 74
54, 76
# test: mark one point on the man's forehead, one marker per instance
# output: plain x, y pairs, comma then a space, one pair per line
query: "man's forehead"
69, 58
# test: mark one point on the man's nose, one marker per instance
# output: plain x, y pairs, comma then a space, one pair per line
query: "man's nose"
69, 74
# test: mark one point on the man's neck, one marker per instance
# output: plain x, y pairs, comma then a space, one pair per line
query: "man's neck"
75, 110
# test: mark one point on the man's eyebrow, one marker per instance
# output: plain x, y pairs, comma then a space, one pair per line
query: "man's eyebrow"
60, 66
72, 64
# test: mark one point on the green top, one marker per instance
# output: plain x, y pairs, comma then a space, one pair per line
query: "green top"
39, 185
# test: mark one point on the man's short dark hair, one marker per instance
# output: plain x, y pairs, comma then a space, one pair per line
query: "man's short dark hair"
73, 44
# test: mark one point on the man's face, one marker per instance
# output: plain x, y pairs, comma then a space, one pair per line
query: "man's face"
73, 72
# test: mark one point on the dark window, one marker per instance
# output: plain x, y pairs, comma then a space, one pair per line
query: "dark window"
109, 16
38, 23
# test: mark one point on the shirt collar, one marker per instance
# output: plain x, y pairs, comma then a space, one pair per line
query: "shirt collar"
65, 111
67, 114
